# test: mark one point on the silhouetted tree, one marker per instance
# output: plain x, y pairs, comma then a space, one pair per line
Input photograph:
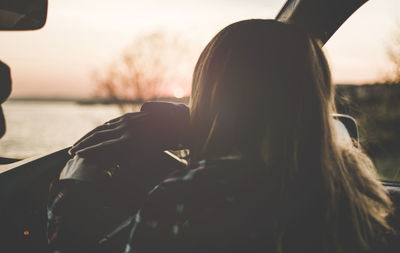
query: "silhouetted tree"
154, 65
393, 52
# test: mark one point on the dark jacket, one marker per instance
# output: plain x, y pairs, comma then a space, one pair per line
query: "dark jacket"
218, 206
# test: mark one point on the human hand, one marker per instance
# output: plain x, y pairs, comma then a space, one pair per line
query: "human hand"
157, 127
113, 139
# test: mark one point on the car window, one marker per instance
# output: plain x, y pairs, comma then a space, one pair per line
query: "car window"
56, 97
62, 74
361, 59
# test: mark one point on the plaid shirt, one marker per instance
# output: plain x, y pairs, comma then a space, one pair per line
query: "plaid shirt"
219, 206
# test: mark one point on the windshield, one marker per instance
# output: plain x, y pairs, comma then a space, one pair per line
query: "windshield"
73, 74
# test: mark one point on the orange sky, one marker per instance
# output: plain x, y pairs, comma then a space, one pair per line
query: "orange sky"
83, 35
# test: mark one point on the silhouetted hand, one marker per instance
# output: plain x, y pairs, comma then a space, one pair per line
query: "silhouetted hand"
116, 134
158, 126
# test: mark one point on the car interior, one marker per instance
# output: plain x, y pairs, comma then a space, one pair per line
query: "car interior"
24, 184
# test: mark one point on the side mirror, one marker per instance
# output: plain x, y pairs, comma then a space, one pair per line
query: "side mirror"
347, 127
5, 91
17, 15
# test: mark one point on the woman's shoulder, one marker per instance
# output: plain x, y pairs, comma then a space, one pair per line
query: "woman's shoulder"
204, 205
227, 168
211, 176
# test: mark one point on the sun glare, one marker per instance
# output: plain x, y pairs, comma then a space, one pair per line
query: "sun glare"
179, 93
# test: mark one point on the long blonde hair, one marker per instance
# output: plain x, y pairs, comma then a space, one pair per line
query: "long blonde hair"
262, 88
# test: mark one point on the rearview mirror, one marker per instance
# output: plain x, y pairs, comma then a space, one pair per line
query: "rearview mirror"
22, 14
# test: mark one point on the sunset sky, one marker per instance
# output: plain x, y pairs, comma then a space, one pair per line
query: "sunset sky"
86, 35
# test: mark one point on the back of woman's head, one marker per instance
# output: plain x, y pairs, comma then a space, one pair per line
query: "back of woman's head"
262, 89
258, 78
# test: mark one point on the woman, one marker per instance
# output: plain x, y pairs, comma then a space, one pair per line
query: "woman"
267, 171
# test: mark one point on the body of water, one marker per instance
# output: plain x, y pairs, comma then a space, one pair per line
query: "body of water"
37, 128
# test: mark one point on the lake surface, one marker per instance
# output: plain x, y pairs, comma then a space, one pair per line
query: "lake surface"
37, 128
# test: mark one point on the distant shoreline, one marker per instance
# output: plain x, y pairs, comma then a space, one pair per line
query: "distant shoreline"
185, 100
95, 101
